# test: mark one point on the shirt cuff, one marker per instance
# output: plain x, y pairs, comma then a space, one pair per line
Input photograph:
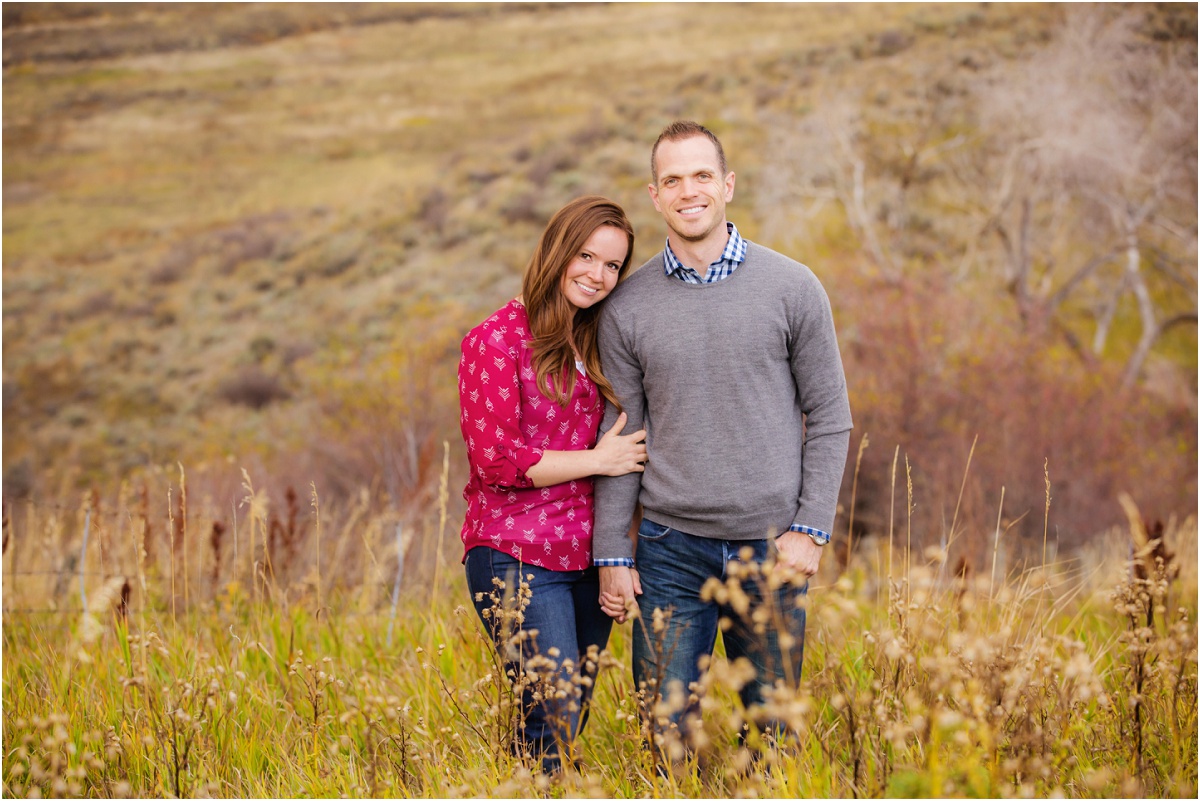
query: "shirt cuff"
525, 458
820, 537
619, 562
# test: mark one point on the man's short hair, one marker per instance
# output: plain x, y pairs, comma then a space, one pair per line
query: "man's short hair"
685, 129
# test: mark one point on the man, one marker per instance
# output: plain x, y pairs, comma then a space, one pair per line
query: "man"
725, 352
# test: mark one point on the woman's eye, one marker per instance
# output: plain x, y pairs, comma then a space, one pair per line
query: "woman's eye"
614, 266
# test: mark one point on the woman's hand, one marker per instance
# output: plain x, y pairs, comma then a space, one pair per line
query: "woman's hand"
619, 453
614, 455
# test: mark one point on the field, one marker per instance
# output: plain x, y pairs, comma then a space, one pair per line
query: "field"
1073, 679
242, 243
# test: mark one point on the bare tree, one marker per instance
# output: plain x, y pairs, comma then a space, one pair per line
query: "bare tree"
837, 158
1093, 180
1069, 175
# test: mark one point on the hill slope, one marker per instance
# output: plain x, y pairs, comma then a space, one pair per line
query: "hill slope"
257, 231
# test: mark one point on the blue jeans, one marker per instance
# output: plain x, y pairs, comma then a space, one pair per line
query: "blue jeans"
564, 609
673, 567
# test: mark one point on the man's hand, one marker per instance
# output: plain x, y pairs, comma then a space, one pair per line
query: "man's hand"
796, 550
619, 587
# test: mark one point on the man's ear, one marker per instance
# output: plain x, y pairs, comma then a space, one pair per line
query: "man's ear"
729, 181
654, 196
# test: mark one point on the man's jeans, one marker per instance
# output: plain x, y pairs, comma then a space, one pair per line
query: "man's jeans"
564, 608
673, 567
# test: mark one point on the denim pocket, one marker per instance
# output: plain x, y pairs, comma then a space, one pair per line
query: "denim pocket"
649, 530
507, 568
484, 565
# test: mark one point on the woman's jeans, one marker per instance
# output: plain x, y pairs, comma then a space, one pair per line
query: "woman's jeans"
674, 567
564, 609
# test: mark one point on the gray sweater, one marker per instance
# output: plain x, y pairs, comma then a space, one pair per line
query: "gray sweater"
722, 377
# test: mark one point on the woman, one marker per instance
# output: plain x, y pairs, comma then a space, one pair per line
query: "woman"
532, 395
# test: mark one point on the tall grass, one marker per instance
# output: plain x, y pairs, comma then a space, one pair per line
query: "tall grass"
1074, 678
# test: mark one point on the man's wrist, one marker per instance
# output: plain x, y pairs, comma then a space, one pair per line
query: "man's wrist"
818, 536
623, 561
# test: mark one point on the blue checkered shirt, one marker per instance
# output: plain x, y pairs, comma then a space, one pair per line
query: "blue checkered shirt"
815, 534
622, 562
732, 256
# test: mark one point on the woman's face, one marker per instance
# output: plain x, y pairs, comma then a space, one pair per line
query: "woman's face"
593, 273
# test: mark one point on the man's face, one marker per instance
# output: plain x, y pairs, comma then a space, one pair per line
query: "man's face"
691, 193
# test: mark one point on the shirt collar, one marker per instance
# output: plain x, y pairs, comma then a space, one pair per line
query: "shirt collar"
733, 255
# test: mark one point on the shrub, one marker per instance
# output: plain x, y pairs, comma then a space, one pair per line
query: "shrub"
253, 387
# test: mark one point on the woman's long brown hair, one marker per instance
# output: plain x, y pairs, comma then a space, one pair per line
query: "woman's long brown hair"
553, 320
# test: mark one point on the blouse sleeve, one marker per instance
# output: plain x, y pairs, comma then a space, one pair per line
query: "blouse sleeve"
489, 393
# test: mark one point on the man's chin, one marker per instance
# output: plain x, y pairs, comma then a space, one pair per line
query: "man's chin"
693, 235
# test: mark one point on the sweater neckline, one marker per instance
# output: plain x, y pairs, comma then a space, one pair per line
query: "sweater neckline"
661, 270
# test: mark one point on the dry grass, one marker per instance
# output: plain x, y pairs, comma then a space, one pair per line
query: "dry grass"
1075, 679
324, 653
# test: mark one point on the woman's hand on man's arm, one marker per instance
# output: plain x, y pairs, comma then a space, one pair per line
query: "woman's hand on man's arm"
615, 454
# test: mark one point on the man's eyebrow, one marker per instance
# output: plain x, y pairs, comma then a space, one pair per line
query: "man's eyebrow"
697, 171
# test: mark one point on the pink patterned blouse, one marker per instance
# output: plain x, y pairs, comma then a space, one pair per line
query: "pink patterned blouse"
507, 424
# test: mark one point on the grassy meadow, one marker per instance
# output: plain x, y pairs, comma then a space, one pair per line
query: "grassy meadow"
241, 245
1069, 679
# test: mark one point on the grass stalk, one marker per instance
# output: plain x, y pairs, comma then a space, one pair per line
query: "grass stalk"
908, 544
183, 538
87, 526
171, 529
962, 488
316, 505
233, 512
996, 546
892, 513
862, 446
139, 559
1046, 519
443, 501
